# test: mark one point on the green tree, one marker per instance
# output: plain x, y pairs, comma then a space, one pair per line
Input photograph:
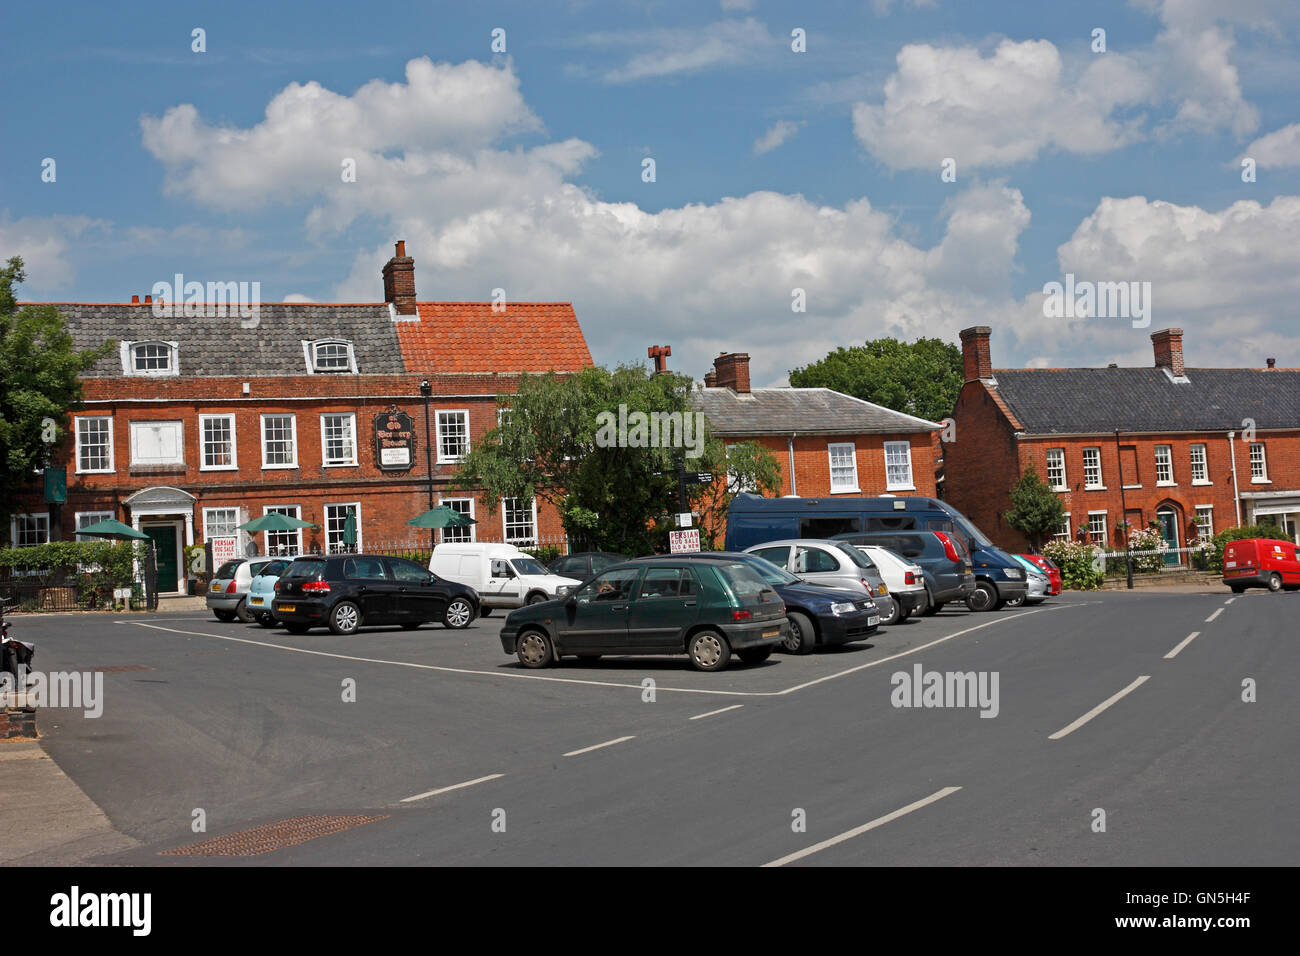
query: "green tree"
747, 466
39, 383
1035, 508
554, 444
920, 378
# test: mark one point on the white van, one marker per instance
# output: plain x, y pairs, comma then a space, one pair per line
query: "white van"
502, 575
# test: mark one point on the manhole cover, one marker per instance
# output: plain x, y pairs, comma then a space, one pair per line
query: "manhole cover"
273, 836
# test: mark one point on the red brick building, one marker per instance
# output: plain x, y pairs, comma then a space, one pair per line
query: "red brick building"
196, 425
826, 442
1197, 448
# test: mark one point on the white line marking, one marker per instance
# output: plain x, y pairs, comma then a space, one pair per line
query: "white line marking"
858, 831
715, 712
454, 786
1229, 601
1214, 615
1099, 708
1181, 644
607, 743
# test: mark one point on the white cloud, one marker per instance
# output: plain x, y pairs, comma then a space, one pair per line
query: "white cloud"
774, 137
44, 244
297, 297
681, 50
738, 4
1277, 149
883, 8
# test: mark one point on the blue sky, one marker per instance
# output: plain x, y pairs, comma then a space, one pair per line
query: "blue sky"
775, 170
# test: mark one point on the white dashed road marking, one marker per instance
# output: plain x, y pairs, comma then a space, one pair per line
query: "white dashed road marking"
1181, 644
1211, 618
454, 786
715, 712
607, 743
1099, 708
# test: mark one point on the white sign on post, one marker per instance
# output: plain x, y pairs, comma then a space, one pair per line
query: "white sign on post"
684, 542
684, 519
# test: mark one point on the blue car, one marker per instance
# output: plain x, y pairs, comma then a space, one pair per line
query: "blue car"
261, 592
819, 616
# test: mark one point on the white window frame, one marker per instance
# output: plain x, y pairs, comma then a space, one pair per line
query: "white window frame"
293, 429
1261, 479
98, 516
831, 449
127, 353
1068, 534
203, 443
77, 432
911, 475
1059, 455
309, 348
1167, 462
1207, 529
1100, 484
1204, 463
437, 418
293, 511
1105, 529
39, 519
325, 524
442, 532
324, 441
180, 443
207, 522
505, 525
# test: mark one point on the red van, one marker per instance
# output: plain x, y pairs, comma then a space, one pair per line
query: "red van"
1261, 563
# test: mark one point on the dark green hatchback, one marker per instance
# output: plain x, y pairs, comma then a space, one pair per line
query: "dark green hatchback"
703, 609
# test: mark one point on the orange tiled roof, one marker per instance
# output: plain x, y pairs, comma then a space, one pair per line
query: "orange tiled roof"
471, 337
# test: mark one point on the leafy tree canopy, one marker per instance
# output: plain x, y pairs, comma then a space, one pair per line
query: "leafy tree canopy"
920, 378
1036, 510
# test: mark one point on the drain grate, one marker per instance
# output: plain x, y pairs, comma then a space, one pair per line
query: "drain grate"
122, 668
273, 836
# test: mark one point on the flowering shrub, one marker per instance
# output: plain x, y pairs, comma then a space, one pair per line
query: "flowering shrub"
1146, 539
1080, 568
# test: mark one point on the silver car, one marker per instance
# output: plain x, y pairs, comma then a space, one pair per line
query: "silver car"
229, 588
834, 563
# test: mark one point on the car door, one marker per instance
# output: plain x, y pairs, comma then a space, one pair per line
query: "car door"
817, 566
665, 604
778, 555
418, 597
372, 588
503, 584
595, 620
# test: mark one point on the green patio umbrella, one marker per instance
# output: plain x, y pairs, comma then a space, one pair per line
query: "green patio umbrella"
275, 522
112, 528
441, 517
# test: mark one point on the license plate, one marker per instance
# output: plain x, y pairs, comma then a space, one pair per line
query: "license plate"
873, 620
1232, 564
254, 600
775, 632
287, 607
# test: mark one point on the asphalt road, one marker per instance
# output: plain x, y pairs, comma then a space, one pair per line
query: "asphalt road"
251, 727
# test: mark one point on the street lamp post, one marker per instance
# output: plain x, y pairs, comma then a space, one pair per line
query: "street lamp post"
426, 390
1123, 503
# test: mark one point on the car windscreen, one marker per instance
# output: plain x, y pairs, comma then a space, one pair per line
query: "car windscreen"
276, 568
304, 569
769, 572
856, 556
227, 570
743, 581
527, 566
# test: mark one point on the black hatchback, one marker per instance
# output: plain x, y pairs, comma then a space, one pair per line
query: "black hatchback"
347, 591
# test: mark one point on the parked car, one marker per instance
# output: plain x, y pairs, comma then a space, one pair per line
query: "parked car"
682, 604
819, 616
1048, 567
345, 592
943, 558
583, 564
1261, 563
229, 588
905, 580
831, 563
261, 591
501, 574
1039, 585
752, 519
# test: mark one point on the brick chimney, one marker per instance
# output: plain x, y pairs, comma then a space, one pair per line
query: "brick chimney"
135, 300
976, 358
1272, 364
399, 281
710, 379
660, 354
1169, 350
731, 370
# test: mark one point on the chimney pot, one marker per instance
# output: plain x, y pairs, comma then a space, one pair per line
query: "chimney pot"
399, 281
148, 300
976, 356
731, 370
660, 354
1169, 350
1272, 363
135, 300
401, 248
710, 379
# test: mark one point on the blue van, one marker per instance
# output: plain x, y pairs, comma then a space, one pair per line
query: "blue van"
753, 519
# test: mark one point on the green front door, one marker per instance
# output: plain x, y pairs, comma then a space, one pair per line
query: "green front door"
1169, 531
164, 539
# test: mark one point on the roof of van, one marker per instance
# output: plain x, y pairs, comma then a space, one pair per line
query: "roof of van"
749, 502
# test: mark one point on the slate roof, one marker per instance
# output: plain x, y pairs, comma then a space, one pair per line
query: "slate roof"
212, 347
807, 411
1099, 400
472, 337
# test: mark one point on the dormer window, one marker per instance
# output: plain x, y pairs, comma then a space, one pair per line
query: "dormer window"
151, 358
329, 355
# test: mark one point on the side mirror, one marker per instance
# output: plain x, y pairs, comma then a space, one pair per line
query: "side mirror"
571, 601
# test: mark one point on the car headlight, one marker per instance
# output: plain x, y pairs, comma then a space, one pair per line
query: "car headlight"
845, 607
1015, 574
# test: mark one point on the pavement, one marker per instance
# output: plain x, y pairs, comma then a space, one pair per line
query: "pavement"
434, 747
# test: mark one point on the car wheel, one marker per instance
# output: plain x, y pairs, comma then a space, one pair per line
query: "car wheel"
411, 625
534, 649
754, 655
1275, 582
802, 636
892, 617
983, 598
459, 613
267, 620
241, 612
224, 616
1016, 601
293, 628
345, 618
903, 615
708, 650
536, 598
